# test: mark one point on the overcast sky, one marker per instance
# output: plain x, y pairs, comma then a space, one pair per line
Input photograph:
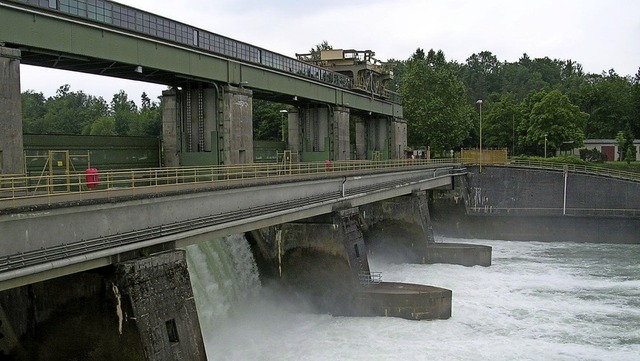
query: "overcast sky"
599, 34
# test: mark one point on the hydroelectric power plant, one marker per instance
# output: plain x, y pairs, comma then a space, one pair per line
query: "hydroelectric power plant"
214, 255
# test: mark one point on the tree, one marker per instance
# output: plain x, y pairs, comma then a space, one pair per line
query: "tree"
552, 119
500, 123
33, 110
434, 102
103, 126
123, 111
267, 120
148, 120
608, 100
71, 112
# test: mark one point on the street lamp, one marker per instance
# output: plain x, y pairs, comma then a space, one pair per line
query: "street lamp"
480, 103
283, 112
545, 146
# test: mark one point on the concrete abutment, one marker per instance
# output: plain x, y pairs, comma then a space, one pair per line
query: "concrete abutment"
401, 229
142, 309
326, 259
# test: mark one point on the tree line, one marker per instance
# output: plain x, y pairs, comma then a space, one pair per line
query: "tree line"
77, 113
525, 104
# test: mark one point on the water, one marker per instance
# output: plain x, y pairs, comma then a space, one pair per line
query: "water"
538, 301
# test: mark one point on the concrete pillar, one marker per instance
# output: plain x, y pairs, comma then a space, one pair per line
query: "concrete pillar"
170, 127
294, 131
11, 143
398, 138
361, 138
238, 125
419, 202
158, 291
341, 144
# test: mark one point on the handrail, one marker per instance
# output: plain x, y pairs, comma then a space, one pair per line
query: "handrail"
19, 190
574, 168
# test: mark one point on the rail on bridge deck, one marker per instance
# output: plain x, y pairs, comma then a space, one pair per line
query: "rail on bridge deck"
23, 191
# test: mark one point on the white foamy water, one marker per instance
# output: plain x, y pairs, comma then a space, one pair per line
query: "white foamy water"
538, 301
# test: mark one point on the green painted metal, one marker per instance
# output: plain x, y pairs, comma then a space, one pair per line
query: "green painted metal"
79, 40
265, 151
105, 152
310, 156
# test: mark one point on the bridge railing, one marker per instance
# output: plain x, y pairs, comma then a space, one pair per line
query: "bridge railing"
575, 168
19, 190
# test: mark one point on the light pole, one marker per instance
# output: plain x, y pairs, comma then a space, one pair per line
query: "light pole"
480, 103
545, 146
283, 112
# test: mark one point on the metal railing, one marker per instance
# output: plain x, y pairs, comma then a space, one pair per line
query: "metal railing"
19, 190
575, 168
569, 211
368, 279
602, 171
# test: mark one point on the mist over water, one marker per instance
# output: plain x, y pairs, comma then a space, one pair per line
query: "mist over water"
538, 301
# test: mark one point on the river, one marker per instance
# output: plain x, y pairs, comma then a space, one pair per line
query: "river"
538, 301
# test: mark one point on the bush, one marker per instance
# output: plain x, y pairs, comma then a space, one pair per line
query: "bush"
593, 155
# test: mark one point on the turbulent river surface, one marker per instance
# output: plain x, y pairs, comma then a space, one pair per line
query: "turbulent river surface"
538, 301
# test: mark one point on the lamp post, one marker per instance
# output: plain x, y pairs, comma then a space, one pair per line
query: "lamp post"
545, 146
283, 112
479, 102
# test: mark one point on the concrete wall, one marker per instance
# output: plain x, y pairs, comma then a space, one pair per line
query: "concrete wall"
528, 204
319, 260
541, 192
11, 145
400, 228
73, 317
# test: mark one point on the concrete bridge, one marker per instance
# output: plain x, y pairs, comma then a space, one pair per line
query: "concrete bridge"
134, 235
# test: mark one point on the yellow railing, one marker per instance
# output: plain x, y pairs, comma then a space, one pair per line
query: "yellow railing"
19, 190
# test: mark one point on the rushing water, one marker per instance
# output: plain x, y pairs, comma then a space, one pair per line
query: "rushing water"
538, 301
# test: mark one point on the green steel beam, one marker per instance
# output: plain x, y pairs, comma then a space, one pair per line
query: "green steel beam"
59, 41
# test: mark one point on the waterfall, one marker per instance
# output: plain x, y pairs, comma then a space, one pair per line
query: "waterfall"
223, 274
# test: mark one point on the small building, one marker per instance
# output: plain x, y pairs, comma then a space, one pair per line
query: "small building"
607, 146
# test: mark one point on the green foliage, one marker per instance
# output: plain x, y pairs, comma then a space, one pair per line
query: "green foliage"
434, 102
593, 155
268, 121
550, 120
70, 112
500, 123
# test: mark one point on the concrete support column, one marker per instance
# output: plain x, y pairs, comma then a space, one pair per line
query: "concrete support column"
294, 131
341, 145
398, 138
420, 202
11, 142
361, 138
238, 125
170, 127
158, 291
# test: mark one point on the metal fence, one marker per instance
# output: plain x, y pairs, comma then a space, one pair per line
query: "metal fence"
19, 190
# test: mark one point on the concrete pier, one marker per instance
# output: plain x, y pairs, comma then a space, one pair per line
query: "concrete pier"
325, 260
406, 300
11, 144
157, 292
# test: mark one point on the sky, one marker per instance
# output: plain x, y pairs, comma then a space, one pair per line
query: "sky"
599, 34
